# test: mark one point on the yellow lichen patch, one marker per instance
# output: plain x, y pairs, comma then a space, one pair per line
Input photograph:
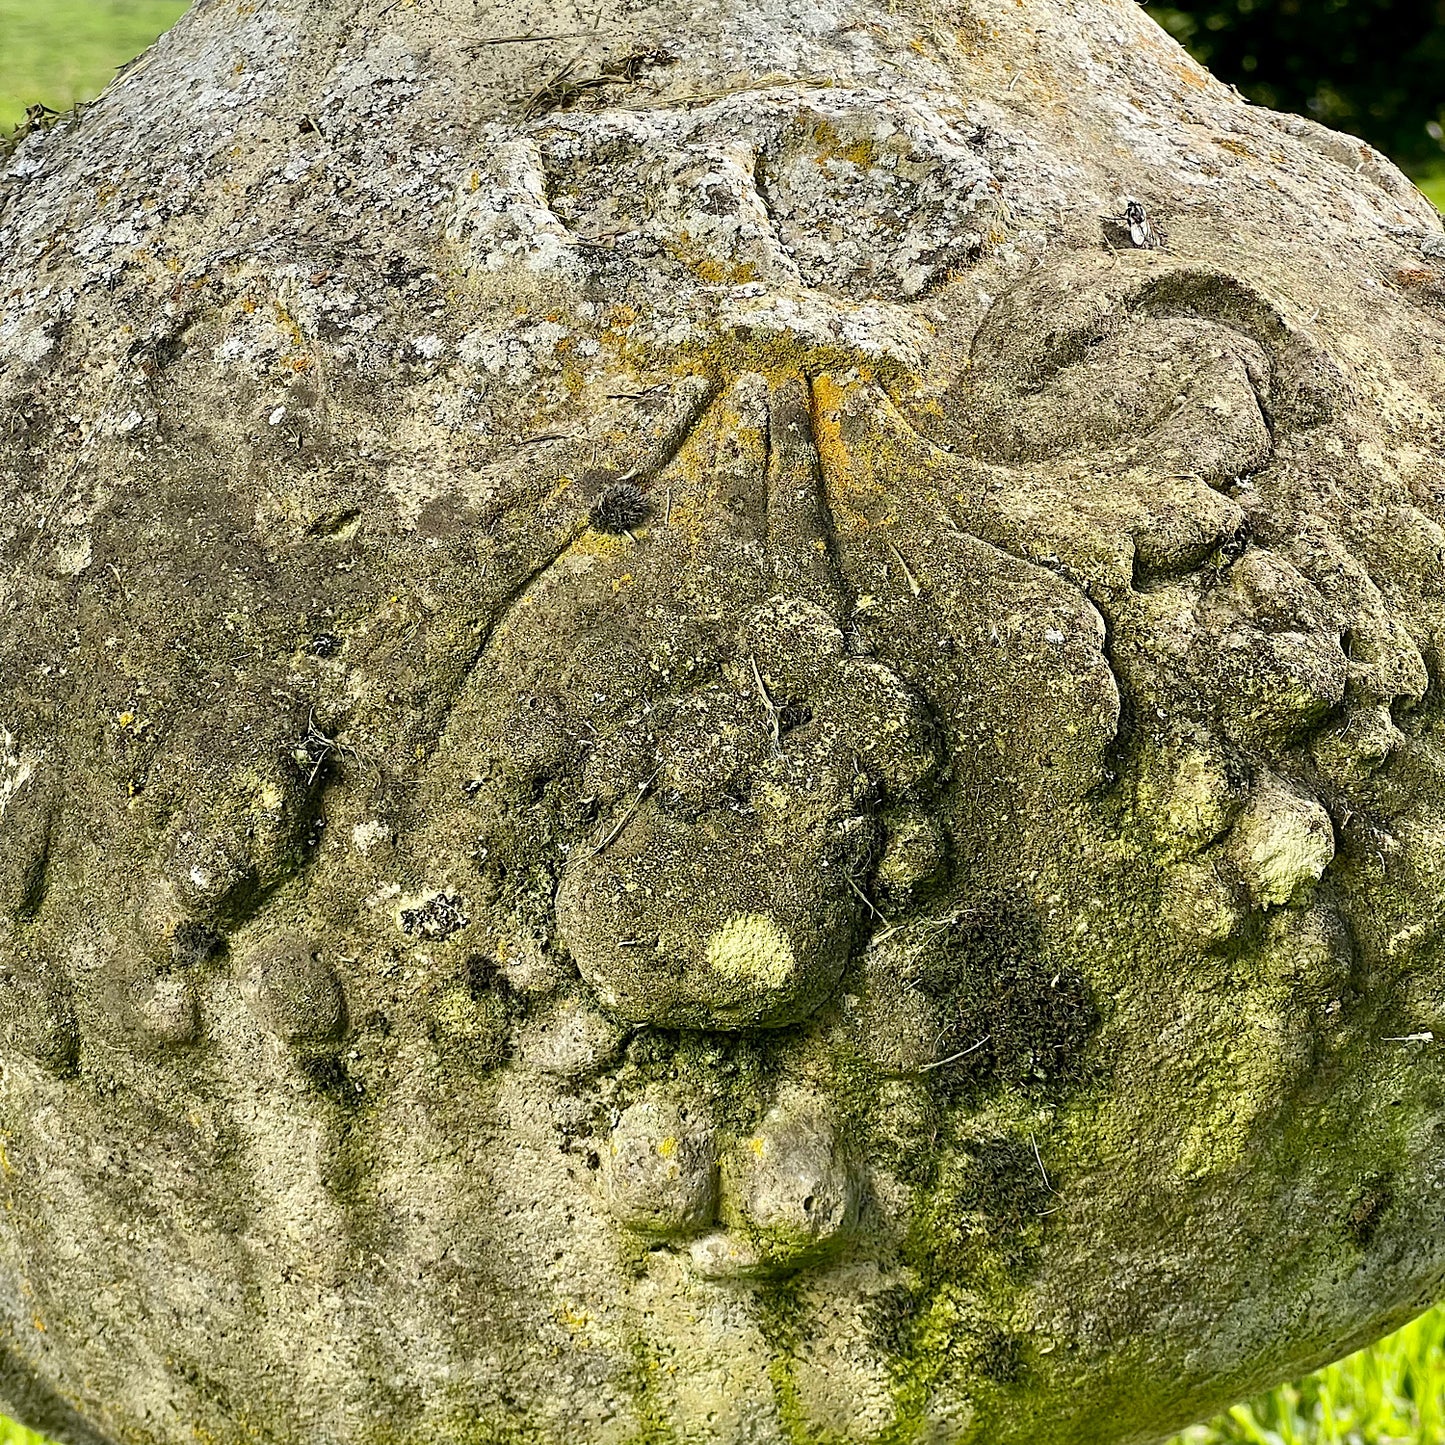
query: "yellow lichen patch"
828, 400
752, 946
563, 483
573, 1317
1235, 147
457, 1016
599, 544
708, 266
868, 452
287, 325
859, 151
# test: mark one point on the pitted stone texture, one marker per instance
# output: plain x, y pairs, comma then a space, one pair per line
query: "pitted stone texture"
293, 991
572, 1040
165, 1009
853, 193
660, 1170
790, 1194
1282, 843
698, 512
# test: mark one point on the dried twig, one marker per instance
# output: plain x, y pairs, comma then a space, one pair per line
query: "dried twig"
1040, 1160
867, 901
775, 730
913, 586
527, 39
627, 815
954, 1058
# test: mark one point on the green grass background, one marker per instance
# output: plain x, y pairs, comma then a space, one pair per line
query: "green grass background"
62, 51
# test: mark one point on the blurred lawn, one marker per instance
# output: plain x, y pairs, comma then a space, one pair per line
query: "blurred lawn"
1390, 1394
62, 51
14, 1435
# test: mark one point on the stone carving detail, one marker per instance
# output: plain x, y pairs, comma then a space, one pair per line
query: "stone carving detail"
852, 192
662, 792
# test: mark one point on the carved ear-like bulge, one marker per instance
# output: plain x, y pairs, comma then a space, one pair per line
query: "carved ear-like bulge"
1281, 843
37, 1013
659, 1170
1401, 549
1095, 302
1218, 430
162, 1007
790, 1194
1190, 390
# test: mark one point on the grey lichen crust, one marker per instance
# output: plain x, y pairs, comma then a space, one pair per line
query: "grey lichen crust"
694, 749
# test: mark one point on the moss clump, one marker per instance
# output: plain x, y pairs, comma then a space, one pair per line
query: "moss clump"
983, 1221
732, 1075
477, 1016
996, 983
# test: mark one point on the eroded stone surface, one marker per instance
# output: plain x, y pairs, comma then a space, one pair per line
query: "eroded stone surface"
677, 738
660, 1172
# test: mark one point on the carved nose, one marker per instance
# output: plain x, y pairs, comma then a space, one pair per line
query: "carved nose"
718, 923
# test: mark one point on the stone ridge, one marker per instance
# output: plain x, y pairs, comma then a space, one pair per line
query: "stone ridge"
719, 727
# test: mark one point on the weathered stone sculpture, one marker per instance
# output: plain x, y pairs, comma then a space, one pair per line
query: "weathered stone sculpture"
720, 724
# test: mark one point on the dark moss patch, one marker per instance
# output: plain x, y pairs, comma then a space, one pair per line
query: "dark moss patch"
194, 943
1369, 1209
620, 507
328, 1076
1023, 1016
732, 1074
438, 918
944, 1338
890, 1315
984, 1217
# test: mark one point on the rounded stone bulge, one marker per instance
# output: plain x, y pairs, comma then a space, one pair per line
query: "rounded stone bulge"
709, 924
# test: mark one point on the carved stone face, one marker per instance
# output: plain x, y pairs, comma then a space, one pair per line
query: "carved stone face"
814, 807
